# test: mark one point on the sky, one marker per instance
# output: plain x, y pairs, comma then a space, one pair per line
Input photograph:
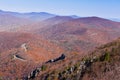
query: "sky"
82, 8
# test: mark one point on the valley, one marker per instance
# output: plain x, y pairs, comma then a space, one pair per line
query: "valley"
44, 46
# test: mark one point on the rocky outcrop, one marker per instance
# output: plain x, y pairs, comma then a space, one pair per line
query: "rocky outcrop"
33, 74
24, 47
18, 57
62, 57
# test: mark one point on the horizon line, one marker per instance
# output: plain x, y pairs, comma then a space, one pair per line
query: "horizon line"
55, 14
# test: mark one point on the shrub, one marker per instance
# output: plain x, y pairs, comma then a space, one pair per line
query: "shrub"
107, 56
1, 78
43, 68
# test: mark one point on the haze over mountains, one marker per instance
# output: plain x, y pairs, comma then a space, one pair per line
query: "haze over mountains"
32, 15
29, 40
115, 19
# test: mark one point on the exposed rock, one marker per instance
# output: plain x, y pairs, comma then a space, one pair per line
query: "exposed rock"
34, 73
62, 57
50, 61
24, 46
18, 57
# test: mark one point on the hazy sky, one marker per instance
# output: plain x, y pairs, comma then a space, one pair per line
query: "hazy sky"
101, 8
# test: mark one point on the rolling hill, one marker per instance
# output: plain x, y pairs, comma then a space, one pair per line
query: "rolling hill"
86, 32
40, 45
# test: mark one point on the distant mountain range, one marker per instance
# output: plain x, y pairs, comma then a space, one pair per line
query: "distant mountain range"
39, 16
35, 16
12, 20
